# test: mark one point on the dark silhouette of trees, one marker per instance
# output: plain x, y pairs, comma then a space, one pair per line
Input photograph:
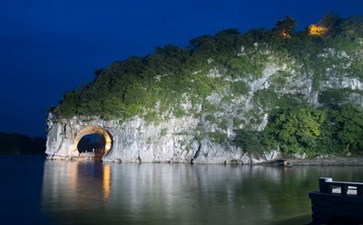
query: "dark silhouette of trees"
285, 27
13, 143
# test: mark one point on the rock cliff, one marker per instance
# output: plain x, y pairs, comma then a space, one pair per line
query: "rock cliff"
201, 128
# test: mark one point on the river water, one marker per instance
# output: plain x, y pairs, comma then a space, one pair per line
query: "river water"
37, 191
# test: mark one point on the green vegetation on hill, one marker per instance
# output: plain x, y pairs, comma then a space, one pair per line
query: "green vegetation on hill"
305, 129
155, 86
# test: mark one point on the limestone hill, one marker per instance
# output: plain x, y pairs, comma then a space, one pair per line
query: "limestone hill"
227, 97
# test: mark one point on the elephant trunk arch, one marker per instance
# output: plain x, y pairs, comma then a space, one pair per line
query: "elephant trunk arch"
94, 130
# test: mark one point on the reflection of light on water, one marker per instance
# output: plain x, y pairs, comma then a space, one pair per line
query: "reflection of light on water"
80, 192
75, 183
73, 177
106, 181
60, 177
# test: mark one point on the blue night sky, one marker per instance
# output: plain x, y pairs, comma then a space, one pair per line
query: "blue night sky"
49, 47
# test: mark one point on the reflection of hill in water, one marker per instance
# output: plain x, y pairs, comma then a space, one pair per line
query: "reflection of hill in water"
91, 193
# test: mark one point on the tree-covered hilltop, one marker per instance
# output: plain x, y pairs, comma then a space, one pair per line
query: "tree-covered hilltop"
300, 92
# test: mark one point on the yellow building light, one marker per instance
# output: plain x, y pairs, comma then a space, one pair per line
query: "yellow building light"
315, 30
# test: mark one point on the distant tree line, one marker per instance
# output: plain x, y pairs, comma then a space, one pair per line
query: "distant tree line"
13, 143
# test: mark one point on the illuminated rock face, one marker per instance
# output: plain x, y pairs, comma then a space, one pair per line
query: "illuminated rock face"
138, 141
172, 140
207, 134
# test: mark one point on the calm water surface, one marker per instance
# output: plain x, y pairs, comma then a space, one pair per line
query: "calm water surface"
36, 191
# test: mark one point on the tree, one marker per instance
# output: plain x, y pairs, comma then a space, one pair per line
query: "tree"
249, 140
349, 125
285, 27
296, 129
330, 21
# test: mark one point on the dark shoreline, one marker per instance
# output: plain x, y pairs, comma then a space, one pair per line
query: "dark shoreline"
329, 161
287, 162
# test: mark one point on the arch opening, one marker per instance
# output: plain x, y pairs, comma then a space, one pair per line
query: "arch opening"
93, 142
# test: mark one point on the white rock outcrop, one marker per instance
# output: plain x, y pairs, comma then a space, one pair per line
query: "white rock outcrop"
138, 141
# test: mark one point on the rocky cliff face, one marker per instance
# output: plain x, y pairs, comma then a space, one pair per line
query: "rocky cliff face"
231, 97
138, 141
206, 136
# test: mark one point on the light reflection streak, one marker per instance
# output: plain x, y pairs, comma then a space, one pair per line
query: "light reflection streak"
76, 183
106, 181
